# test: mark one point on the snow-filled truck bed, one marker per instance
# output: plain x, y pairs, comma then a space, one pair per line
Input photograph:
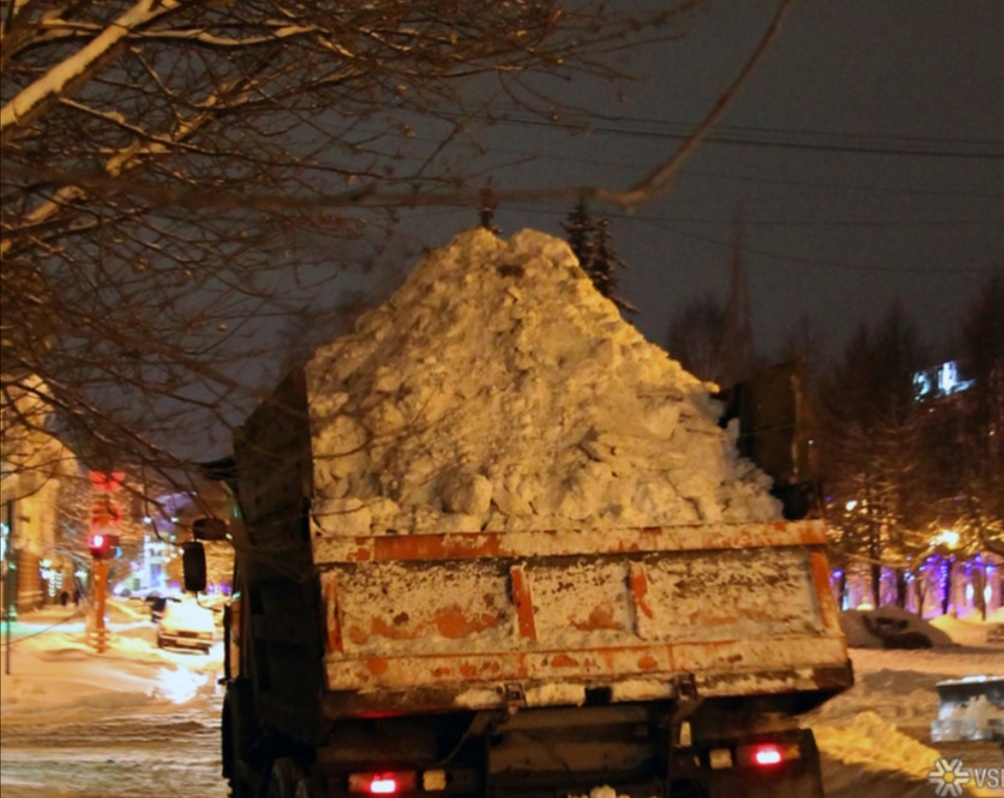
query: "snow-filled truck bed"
480, 620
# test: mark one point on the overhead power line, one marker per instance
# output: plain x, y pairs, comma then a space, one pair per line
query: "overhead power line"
819, 141
829, 264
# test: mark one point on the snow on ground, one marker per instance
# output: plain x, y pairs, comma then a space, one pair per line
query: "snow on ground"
57, 676
895, 691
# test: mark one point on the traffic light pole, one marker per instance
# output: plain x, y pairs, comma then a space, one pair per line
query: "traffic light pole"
103, 541
100, 583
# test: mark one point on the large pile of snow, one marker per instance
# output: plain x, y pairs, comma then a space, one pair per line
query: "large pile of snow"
497, 389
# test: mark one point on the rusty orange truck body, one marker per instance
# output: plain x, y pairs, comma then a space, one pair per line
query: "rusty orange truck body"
659, 661
729, 608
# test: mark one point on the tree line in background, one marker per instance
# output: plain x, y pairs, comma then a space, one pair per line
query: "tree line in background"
908, 456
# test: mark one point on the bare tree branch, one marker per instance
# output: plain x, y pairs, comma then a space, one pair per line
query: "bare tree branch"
178, 178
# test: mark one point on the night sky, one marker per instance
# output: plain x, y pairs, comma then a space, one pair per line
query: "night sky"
865, 158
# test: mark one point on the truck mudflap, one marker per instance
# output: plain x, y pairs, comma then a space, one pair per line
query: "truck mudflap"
467, 620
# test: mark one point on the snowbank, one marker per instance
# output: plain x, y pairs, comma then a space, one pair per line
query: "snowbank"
972, 631
869, 740
874, 729
497, 389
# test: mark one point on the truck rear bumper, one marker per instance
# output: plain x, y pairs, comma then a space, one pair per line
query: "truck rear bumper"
802, 687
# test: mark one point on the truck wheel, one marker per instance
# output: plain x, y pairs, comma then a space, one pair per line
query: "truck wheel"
285, 779
238, 729
308, 788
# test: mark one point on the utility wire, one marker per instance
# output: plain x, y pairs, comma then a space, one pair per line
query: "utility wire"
779, 132
839, 265
789, 140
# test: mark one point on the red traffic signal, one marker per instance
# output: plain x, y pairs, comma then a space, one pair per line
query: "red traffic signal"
103, 546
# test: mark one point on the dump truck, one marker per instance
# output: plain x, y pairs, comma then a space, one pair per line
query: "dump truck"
494, 543
659, 661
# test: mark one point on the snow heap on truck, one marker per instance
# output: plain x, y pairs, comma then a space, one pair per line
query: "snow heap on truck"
497, 389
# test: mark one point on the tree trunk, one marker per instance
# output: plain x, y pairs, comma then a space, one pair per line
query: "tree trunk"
920, 590
901, 588
946, 596
875, 553
979, 580
876, 574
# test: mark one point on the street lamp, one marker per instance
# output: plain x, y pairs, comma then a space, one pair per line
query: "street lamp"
947, 538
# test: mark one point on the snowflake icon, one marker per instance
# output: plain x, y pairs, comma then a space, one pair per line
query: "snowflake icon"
948, 778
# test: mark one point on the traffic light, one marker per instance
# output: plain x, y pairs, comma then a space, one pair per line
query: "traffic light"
103, 539
102, 545
104, 512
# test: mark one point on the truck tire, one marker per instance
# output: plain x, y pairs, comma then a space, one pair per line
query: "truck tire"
287, 779
238, 735
308, 787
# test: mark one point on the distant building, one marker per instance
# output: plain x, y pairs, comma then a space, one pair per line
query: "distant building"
939, 382
33, 465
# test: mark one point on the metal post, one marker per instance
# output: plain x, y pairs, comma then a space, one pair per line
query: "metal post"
100, 582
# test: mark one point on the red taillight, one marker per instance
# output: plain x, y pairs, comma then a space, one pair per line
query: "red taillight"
767, 755
383, 785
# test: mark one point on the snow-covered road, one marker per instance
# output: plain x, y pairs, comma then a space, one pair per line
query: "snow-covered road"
138, 721
126, 755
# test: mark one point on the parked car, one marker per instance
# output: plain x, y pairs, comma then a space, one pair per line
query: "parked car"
185, 624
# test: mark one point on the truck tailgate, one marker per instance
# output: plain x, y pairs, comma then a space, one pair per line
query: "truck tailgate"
475, 619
